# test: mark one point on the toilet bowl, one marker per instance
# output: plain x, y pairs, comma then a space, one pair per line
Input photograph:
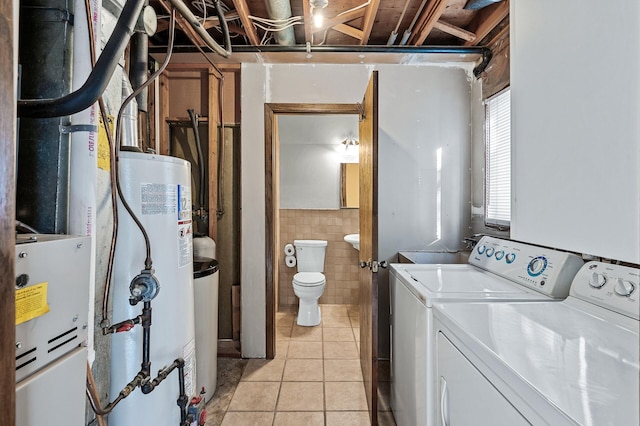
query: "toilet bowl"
309, 282
308, 287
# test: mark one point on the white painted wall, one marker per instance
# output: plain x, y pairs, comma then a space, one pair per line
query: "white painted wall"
423, 109
575, 96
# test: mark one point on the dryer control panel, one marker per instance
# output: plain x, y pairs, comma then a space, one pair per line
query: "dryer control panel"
613, 287
542, 269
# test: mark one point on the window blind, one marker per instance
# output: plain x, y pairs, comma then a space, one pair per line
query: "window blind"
498, 160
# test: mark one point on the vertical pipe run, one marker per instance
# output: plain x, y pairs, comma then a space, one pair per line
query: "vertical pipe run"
138, 69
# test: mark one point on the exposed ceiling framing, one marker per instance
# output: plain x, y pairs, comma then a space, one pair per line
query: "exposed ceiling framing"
354, 22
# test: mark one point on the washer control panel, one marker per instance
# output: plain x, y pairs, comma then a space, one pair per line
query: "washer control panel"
613, 287
545, 270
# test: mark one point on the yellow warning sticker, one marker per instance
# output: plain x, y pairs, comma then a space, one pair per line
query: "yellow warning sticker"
31, 302
104, 154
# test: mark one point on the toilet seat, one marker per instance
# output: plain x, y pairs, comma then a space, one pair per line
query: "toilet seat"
309, 279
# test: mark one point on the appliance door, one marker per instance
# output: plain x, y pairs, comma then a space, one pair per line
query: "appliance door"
408, 355
54, 395
466, 397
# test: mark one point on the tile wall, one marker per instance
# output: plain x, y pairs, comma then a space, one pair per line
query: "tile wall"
341, 262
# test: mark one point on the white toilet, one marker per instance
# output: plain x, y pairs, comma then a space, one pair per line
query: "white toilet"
309, 282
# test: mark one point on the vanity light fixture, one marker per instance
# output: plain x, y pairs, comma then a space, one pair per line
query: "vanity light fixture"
350, 142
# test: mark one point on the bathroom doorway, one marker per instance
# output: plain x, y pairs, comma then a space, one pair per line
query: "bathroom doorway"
368, 308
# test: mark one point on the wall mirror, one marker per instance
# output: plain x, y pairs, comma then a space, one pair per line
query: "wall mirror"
349, 185
311, 157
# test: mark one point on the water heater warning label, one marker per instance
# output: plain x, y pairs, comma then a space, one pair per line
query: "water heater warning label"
158, 198
31, 302
185, 235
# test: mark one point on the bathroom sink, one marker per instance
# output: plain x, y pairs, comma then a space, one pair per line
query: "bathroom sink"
354, 240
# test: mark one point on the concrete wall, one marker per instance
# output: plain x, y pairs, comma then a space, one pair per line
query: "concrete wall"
424, 181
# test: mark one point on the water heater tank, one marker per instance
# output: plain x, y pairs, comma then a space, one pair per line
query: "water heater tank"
158, 190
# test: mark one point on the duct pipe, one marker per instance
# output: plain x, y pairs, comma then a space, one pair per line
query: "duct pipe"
99, 78
139, 64
129, 117
45, 55
281, 9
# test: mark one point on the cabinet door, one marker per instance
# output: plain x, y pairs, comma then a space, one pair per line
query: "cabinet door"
465, 396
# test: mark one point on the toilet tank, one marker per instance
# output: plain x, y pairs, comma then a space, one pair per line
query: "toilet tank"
310, 255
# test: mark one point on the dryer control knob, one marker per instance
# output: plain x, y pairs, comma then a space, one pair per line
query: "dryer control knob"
490, 251
481, 249
511, 257
624, 288
597, 280
499, 254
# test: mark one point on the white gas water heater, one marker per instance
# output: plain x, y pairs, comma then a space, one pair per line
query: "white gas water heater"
158, 190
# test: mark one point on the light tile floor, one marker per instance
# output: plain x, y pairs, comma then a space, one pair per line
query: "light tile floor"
315, 378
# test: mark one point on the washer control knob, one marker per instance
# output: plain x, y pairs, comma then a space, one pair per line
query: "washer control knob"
511, 257
537, 266
597, 280
624, 288
481, 249
499, 254
490, 251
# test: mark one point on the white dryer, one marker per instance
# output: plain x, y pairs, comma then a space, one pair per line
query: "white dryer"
498, 270
575, 362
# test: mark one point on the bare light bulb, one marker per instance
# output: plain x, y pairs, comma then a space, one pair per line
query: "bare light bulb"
318, 19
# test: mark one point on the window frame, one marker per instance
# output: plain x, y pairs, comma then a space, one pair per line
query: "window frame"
500, 224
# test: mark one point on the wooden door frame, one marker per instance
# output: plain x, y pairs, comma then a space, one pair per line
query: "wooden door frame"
7, 214
272, 205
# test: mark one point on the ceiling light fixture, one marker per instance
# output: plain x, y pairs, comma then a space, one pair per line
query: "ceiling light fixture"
316, 13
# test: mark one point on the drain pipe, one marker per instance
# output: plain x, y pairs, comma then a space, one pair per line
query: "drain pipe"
99, 78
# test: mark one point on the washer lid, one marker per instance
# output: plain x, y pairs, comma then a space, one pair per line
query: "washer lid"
443, 282
309, 279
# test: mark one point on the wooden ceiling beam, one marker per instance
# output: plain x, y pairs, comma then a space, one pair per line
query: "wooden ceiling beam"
369, 18
455, 31
350, 31
243, 11
431, 15
308, 21
340, 19
487, 19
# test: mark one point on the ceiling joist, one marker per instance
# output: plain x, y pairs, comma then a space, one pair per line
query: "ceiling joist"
243, 11
369, 18
455, 31
430, 15
350, 31
340, 19
487, 19
308, 33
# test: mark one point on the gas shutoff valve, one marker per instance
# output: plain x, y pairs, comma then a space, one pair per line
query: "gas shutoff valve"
144, 287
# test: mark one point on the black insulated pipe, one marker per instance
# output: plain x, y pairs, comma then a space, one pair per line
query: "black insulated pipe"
484, 52
196, 133
99, 78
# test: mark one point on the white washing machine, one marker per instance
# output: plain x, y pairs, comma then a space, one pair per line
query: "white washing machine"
570, 363
498, 270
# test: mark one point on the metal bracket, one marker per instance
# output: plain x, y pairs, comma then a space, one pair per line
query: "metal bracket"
68, 129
